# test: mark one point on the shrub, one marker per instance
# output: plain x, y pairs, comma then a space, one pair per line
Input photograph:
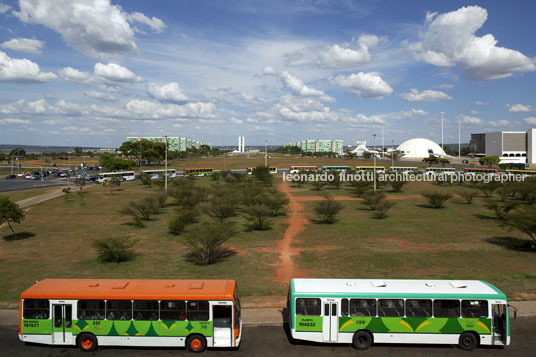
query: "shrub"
524, 220
141, 210
436, 199
184, 217
67, 191
257, 217
327, 210
468, 196
114, 250
488, 188
275, 200
382, 207
358, 188
222, 207
501, 209
205, 242
318, 185
146, 180
373, 198
396, 185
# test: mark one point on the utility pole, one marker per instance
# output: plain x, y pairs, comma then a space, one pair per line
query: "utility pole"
165, 172
383, 140
459, 138
265, 152
374, 153
442, 130
392, 152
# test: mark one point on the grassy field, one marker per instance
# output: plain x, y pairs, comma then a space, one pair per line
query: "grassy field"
63, 231
460, 241
16, 196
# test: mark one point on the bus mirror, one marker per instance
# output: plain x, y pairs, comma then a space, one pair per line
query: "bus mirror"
515, 310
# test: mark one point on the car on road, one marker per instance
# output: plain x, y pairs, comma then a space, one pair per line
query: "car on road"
10, 177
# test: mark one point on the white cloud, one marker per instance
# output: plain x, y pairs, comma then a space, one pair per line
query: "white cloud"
74, 75
478, 102
99, 95
464, 119
340, 57
220, 88
23, 106
11, 121
269, 70
310, 116
115, 73
499, 123
170, 92
22, 70
365, 85
154, 23
94, 27
425, 96
449, 39
236, 121
28, 45
4, 8
519, 108
531, 120
299, 88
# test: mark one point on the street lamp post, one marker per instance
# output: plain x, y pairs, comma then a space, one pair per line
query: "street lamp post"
165, 170
374, 153
392, 152
442, 130
459, 138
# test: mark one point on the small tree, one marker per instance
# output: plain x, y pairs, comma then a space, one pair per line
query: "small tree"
468, 196
275, 200
489, 161
113, 182
67, 191
488, 188
222, 207
382, 207
10, 212
501, 209
358, 188
318, 185
436, 199
262, 173
206, 241
335, 181
115, 250
183, 218
257, 217
327, 210
396, 185
81, 183
524, 220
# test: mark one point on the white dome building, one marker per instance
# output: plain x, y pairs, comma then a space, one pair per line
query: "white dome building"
420, 148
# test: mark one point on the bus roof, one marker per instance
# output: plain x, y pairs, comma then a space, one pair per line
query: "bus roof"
395, 288
148, 289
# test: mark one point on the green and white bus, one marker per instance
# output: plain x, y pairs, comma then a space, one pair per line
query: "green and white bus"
124, 175
440, 170
364, 311
336, 168
157, 174
403, 169
198, 172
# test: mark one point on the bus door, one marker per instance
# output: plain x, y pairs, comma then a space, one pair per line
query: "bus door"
330, 321
222, 319
499, 328
62, 322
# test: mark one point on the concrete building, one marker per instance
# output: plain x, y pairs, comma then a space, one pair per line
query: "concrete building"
512, 147
176, 144
335, 146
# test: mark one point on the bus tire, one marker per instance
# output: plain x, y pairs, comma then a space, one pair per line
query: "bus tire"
468, 341
87, 342
196, 343
362, 340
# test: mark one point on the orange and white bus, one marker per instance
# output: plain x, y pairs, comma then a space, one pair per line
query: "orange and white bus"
126, 312
296, 169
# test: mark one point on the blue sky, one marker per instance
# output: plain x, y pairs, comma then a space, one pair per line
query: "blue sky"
92, 72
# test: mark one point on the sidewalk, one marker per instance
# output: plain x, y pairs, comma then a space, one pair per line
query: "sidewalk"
271, 316
47, 196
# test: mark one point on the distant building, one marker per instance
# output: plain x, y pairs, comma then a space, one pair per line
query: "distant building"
420, 148
174, 143
477, 144
335, 146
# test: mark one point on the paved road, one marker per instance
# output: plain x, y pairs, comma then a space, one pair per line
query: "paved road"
24, 184
273, 341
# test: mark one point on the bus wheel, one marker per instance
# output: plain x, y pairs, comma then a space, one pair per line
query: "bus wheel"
87, 342
362, 340
468, 341
196, 343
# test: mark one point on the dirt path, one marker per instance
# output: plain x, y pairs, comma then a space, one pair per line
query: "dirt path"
296, 224
350, 198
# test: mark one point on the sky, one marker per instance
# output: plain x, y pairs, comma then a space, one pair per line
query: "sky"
93, 72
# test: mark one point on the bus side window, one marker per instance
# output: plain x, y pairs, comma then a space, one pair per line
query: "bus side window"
447, 308
197, 310
91, 309
474, 308
119, 310
362, 307
35, 309
308, 307
172, 310
344, 307
418, 308
391, 307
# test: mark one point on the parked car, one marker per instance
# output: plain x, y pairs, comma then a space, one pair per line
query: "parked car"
33, 177
10, 177
21, 174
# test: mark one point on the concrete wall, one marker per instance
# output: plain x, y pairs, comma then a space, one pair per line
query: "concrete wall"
494, 144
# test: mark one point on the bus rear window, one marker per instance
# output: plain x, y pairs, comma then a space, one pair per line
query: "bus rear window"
308, 307
36, 309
